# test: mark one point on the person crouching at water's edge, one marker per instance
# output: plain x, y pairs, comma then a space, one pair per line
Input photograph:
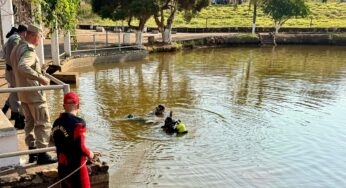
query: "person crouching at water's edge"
69, 135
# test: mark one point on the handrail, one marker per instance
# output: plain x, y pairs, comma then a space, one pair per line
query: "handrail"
61, 85
26, 152
62, 54
99, 49
33, 88
95, 48
66, 87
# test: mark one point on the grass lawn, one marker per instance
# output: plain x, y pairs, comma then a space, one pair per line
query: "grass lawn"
332, 14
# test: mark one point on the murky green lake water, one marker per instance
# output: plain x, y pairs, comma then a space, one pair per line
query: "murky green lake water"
257, 117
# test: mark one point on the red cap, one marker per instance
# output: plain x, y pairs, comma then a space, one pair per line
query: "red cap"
71, 98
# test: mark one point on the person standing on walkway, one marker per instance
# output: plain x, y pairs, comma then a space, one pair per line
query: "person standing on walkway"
69, 135
14, 38
28, 72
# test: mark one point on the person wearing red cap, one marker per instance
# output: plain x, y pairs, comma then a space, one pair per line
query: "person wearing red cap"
69, 135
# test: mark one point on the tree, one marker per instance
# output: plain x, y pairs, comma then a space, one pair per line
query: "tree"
254, 17
126, 10
283, 10
164, 18
60, 13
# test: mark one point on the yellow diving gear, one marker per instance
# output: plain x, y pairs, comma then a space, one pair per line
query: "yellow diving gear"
181, 128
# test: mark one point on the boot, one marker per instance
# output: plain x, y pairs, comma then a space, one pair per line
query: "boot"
44, 158
32, 157
5, 108
19, 122
14, 115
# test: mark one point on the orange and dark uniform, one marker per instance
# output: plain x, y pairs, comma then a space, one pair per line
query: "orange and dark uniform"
69, 135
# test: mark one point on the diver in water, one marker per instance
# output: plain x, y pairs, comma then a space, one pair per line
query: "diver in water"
156, 116
159, 111
171, 126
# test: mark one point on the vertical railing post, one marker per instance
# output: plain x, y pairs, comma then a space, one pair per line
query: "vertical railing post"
107, 38
66, 88
94, 37
55, 45
67, 43
119, 38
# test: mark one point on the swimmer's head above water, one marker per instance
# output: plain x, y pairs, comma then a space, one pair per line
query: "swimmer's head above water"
159, 110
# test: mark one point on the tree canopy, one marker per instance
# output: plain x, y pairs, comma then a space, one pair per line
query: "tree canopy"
167, 11
126, 10
164, 11
283, 10
60, 12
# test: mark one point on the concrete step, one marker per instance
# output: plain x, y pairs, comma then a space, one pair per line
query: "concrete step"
267, 39
68, 77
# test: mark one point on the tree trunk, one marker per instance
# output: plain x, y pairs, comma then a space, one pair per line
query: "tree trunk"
159, 24
277, 27
129, 23
167, 35
168, 31
142, 23
254, 17
160, 19
139, 39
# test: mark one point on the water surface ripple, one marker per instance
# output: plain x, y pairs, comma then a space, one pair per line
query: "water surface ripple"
257, 117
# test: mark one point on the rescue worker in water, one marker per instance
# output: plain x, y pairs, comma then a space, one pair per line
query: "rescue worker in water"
171, 126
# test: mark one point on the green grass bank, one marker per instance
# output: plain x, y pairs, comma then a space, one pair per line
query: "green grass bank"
331, 14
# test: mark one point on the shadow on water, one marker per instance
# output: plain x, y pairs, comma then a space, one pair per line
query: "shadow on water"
257, 117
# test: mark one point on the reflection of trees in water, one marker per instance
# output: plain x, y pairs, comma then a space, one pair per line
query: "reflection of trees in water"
311, 72
256, 75
137, 88
252, 76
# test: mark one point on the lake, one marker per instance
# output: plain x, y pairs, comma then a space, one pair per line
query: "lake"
257, 117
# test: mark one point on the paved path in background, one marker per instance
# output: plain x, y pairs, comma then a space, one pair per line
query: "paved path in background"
85, 39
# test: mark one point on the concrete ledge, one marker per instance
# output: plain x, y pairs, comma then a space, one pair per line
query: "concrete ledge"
73, 64
8, 140
68, 77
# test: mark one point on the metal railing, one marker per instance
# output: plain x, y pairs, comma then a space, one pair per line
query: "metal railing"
111, 48
60, 85
26, 152
105, 44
